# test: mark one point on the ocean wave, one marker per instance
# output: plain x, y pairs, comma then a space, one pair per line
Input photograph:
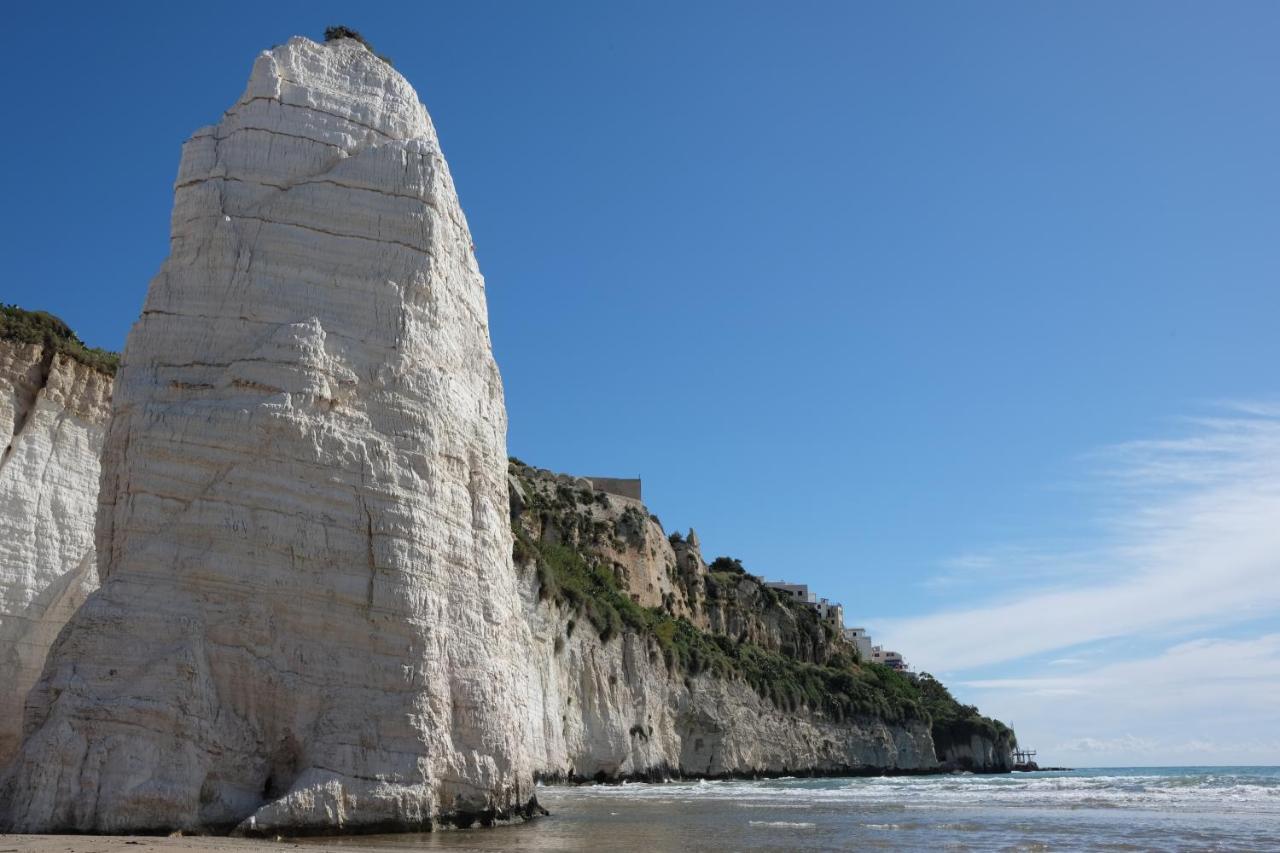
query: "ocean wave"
1210, 790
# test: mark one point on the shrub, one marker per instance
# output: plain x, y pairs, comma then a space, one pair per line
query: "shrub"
953, 723
727, 564
41, 327
521, 551
340, 32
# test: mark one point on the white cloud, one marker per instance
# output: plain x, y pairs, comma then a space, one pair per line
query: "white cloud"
1189, 547
1126, 743
1203, 701
1014, 564
1193, 542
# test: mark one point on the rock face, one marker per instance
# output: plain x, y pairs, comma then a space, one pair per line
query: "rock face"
617, 701
311, 617
53, 414
611, 710
308, 617
977, 753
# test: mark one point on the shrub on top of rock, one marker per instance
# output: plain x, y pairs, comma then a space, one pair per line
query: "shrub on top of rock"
727, 564
340, 32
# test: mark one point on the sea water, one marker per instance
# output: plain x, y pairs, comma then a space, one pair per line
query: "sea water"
1137, 808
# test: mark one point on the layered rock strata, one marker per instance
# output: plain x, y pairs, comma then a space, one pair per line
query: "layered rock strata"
53, 415
611, 711
308, 618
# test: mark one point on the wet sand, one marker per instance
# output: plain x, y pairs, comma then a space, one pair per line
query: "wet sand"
494, 839
137, 844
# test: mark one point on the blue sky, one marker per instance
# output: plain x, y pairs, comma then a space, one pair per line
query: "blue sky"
955, 311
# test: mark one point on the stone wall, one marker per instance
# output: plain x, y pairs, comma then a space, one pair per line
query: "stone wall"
622, 487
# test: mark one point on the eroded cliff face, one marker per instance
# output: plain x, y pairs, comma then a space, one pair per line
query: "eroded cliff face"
53, 415
648, 663
978, 752
613, 710
308, 618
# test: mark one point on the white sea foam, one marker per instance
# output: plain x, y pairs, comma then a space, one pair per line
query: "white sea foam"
1137, 809
1156, 790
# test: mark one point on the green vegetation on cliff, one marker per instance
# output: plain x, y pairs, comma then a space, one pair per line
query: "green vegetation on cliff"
40, 327
953, 724
562, 529
842, 688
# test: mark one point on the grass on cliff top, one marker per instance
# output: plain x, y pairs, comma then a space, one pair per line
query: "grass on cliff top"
40, 327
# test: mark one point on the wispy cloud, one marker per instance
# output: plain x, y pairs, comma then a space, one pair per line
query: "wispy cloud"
1193, 540
1201, 701
1125, 743
1016, 565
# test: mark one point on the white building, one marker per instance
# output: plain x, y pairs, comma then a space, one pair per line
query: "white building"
798, 591
858, 638
831, 612
893, 660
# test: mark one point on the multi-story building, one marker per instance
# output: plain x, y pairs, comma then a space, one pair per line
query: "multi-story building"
858, 638
798, 591
893, 660
832, 612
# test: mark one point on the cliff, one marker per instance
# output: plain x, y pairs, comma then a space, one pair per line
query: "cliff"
328, 602
650, 663
54, 399
308, 617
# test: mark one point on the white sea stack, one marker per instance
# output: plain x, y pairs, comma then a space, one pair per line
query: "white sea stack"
308, 618
53, 415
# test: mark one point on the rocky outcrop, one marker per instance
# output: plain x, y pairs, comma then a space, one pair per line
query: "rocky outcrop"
316, 614
613, 710
308, 618
977, 752
649, 663
53, 414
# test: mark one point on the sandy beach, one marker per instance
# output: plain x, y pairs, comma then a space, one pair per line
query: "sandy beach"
494, 839
1137, 808
132, 844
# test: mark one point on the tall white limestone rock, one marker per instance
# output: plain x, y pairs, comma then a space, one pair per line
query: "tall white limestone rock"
309, 619
53, 415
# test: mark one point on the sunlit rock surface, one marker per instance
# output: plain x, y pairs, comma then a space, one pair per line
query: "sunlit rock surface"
308, 617
53, 414
619, 707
